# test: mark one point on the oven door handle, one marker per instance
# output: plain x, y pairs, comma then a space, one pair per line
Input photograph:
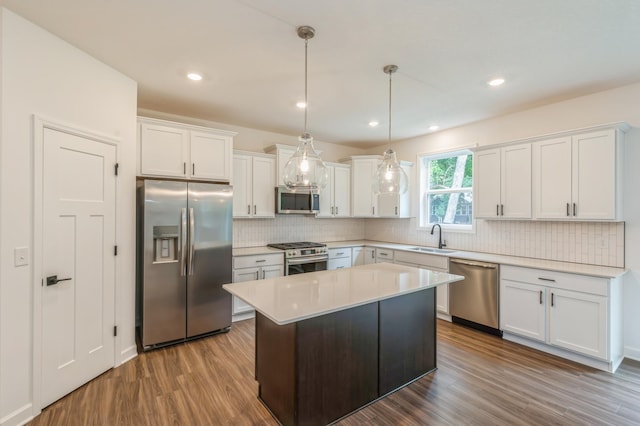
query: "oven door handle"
303, 260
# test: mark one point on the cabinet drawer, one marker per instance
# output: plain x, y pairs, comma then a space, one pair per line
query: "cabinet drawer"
384, 255
257, 260
561, 280
335, 253
429, 261
339, 263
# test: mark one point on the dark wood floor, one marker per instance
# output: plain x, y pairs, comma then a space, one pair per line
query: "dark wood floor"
481, 380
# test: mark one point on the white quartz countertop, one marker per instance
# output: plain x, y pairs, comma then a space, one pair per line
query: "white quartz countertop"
297, 297
549, 265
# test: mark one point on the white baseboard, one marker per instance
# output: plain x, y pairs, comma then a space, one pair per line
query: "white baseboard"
128, 354
21, 416
632, 353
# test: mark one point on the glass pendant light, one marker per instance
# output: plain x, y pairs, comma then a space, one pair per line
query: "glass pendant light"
305, 169
390, 177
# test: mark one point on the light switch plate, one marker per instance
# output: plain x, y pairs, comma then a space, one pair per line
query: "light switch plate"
21, 256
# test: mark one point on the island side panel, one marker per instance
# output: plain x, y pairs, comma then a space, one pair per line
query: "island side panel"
275, 367
407, 339
337, 364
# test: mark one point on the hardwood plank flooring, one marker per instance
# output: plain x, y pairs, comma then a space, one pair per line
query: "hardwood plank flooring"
481, 380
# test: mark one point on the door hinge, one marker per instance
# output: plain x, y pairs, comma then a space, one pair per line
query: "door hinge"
115, 250
116, 168
115, 330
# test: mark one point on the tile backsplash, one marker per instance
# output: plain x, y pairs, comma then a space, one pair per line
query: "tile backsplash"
595, 243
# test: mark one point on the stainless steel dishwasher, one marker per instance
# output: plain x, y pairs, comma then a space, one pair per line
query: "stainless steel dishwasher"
474, 301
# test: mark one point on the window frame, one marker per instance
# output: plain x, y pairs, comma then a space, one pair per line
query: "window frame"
424, 192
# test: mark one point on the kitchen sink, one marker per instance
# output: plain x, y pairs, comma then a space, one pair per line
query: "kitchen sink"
431, 250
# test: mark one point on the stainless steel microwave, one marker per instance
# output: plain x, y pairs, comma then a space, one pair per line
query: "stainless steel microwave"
297, 201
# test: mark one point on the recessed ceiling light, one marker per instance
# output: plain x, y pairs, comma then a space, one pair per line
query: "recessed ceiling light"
496, 82
301, 105
194, 76
434, 127
373, 123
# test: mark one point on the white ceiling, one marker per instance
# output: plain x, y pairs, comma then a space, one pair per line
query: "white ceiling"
446, 51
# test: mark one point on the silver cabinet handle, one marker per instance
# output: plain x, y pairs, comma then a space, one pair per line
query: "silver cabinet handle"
396, 210
340, 253
568, 214
501, 209
470, 263
183, 237
541, 297
552, 302
184, 168
497, 209
263, 274
255, 209
248, 209
331, 209
336, 209
193, 168
257, 275
547, 279
575, 212
192, 235
261, 260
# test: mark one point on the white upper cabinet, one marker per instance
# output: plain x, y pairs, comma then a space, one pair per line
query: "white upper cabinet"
578, 177
335, 197
283, 153
503, 182
168, 149
364, 203
397, 205
253, 185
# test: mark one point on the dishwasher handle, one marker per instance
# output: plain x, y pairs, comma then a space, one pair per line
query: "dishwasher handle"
473, 263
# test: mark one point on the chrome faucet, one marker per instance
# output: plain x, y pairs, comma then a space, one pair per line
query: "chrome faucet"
440, 245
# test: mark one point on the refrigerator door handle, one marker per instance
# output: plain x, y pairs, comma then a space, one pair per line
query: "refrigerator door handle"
191, 239
183, 237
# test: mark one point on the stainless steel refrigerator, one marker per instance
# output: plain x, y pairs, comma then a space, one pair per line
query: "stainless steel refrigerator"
184, 256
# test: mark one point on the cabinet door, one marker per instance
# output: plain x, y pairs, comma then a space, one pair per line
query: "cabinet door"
369, 255
283, 154
363, 202
240, 275
442, 298
272, 271
388, 205
339, 263
342, 192
515, 178
552, 178
594, 175
487, 184
578, 322
163, 150
357, 256
327, 196
522, 309
242, 199
210, 156
263, 184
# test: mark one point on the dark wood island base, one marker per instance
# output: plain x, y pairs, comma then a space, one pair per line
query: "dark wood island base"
318, 370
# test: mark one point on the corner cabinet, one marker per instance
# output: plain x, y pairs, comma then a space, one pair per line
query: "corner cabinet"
335, 197
502, 187
253, 185
578, 177
573, 316
176, 150
364, 202
254, 267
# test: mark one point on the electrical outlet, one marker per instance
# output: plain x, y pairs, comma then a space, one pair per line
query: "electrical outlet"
603, 243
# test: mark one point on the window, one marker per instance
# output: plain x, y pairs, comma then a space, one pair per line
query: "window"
446, 190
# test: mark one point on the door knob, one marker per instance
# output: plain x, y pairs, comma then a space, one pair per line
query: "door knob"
53, 280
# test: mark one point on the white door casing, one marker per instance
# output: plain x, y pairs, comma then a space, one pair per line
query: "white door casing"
75, 237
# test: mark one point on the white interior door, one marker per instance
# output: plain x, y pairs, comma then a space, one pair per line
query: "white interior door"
78, 239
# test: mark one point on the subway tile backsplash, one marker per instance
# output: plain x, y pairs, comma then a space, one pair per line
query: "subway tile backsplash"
595, 243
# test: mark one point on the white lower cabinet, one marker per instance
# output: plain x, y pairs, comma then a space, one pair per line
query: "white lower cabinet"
369, 255
574, 316
384, 255
254, 267
357, 256
435, 263
339, 258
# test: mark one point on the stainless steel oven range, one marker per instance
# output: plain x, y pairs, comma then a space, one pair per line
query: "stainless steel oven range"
303, 257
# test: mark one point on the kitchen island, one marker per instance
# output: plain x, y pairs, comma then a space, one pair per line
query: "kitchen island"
331, 342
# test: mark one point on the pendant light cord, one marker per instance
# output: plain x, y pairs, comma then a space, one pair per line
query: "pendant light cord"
306, 103
390, 109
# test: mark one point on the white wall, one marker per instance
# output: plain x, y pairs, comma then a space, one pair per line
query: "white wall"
616, 105
44, 75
